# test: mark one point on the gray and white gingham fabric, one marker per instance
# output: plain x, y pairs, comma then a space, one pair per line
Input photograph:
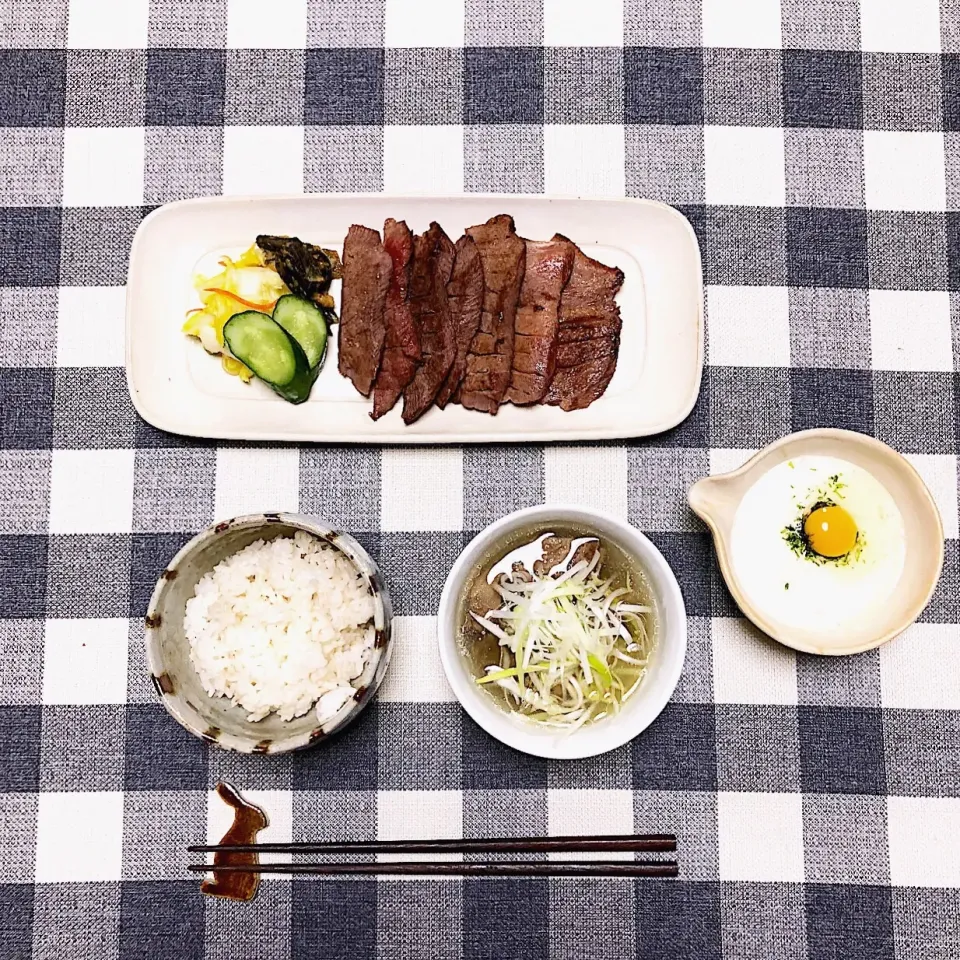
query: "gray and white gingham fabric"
814, 145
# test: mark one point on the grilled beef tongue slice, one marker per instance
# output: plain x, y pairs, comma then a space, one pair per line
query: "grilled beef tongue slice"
433, 257
465, 293
588, 335
547, 270
367, 269
401, 349
490, 357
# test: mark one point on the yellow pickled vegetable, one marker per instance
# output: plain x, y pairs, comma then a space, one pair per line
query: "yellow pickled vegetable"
251, 257
195, 320
235, 368
244, 283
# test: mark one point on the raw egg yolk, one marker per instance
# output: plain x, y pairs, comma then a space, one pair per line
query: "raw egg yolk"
830, 531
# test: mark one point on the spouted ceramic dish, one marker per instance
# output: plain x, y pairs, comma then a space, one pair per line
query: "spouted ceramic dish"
828, 540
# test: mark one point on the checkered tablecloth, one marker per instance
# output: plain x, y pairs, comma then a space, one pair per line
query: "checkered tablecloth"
814, 145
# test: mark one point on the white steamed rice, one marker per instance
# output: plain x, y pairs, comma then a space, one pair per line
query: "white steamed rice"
281, 625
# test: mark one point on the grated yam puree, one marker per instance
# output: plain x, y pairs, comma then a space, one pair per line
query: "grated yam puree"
281, 625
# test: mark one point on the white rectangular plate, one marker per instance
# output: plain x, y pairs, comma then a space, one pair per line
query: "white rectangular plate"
177, 387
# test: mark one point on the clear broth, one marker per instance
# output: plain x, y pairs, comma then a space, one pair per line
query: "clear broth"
481, 649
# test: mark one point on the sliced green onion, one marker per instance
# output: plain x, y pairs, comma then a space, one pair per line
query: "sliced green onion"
510, 672
563, 637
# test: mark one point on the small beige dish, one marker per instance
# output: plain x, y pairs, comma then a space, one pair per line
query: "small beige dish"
216, 719
716, 500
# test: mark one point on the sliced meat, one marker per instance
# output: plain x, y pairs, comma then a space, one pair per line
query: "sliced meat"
547, 270
555, 551
367, 269
490, 357
433, 256
585, 552
465, 292
588, 335
401, 347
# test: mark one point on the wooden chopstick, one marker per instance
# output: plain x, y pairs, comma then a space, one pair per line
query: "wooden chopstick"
494, 868
640, 843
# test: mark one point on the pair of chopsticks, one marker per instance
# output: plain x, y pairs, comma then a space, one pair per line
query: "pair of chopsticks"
641, 843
